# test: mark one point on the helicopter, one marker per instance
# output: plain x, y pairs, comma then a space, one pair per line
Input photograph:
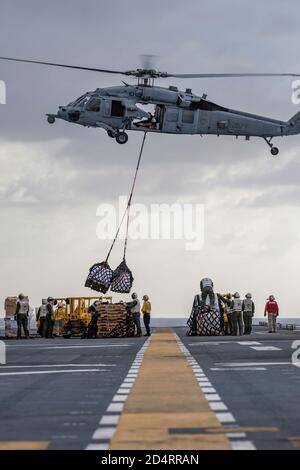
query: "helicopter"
115, 109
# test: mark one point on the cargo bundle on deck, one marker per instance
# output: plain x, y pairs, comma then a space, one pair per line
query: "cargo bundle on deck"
72, 317
11, 327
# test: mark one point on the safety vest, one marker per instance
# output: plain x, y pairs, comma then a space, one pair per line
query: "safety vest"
237, 305
24, 307
206, 282
228, 309
248, 305
146, 307
43, 311
136, 308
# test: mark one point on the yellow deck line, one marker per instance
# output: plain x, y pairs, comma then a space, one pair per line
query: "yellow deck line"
24, 445
166, 395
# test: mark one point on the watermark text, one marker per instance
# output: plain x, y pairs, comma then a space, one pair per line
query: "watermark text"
154, 222
2, 92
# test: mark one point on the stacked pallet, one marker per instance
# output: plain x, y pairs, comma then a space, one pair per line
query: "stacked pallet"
11, 326
10, 306
114, 321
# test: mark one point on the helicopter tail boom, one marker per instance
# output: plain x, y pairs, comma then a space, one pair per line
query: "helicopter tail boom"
293, 125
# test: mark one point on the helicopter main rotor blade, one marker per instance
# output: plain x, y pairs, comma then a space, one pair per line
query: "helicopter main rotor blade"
91, 69
228, 75
155, 74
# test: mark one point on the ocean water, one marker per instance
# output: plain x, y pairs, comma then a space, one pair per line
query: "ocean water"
181, 322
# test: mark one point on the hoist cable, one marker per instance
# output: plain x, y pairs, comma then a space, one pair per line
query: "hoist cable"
127, 210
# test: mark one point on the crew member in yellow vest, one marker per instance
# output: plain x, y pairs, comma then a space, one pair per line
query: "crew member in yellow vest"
146, 310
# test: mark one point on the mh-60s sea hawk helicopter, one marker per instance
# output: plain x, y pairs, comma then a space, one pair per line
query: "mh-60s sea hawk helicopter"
176, 112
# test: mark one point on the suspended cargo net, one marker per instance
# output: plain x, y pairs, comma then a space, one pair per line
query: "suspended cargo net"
122, 279
101, 277
205, 321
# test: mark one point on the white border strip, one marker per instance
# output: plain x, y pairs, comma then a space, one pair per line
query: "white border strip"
214, 401
109, 421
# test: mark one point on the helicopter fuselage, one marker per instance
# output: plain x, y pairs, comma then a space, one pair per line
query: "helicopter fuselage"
176, 112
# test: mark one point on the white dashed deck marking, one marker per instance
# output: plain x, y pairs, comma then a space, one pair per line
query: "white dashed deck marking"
212, 397
214, 400
242, 445
217, 406
108, 423
97, 447
225, 417
109, 420
115, 408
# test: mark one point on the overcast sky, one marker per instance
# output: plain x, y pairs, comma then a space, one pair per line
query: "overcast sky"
53, 178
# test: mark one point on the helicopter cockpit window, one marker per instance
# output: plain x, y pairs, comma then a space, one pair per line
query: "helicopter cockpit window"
73, 103
81, 101
93, 105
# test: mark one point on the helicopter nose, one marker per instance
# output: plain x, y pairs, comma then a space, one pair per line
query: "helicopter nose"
73, 115
61, 112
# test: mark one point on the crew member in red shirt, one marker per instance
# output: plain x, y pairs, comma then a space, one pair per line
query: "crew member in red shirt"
272, 310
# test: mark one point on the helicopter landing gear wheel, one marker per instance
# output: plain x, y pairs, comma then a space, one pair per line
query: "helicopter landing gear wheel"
274, 150
121, 137
51, 119
110, 134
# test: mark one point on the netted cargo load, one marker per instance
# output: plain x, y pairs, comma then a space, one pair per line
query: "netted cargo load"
114, 321
122, 279
99, 277
205, 321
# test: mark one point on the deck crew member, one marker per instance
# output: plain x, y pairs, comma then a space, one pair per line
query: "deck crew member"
41, 316
237, 320
272, 310
207, 289
93, 325
49, 318
146, 310
135, 309
22, 313
248, 308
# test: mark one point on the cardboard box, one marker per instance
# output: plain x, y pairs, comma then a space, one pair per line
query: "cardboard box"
10, 306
